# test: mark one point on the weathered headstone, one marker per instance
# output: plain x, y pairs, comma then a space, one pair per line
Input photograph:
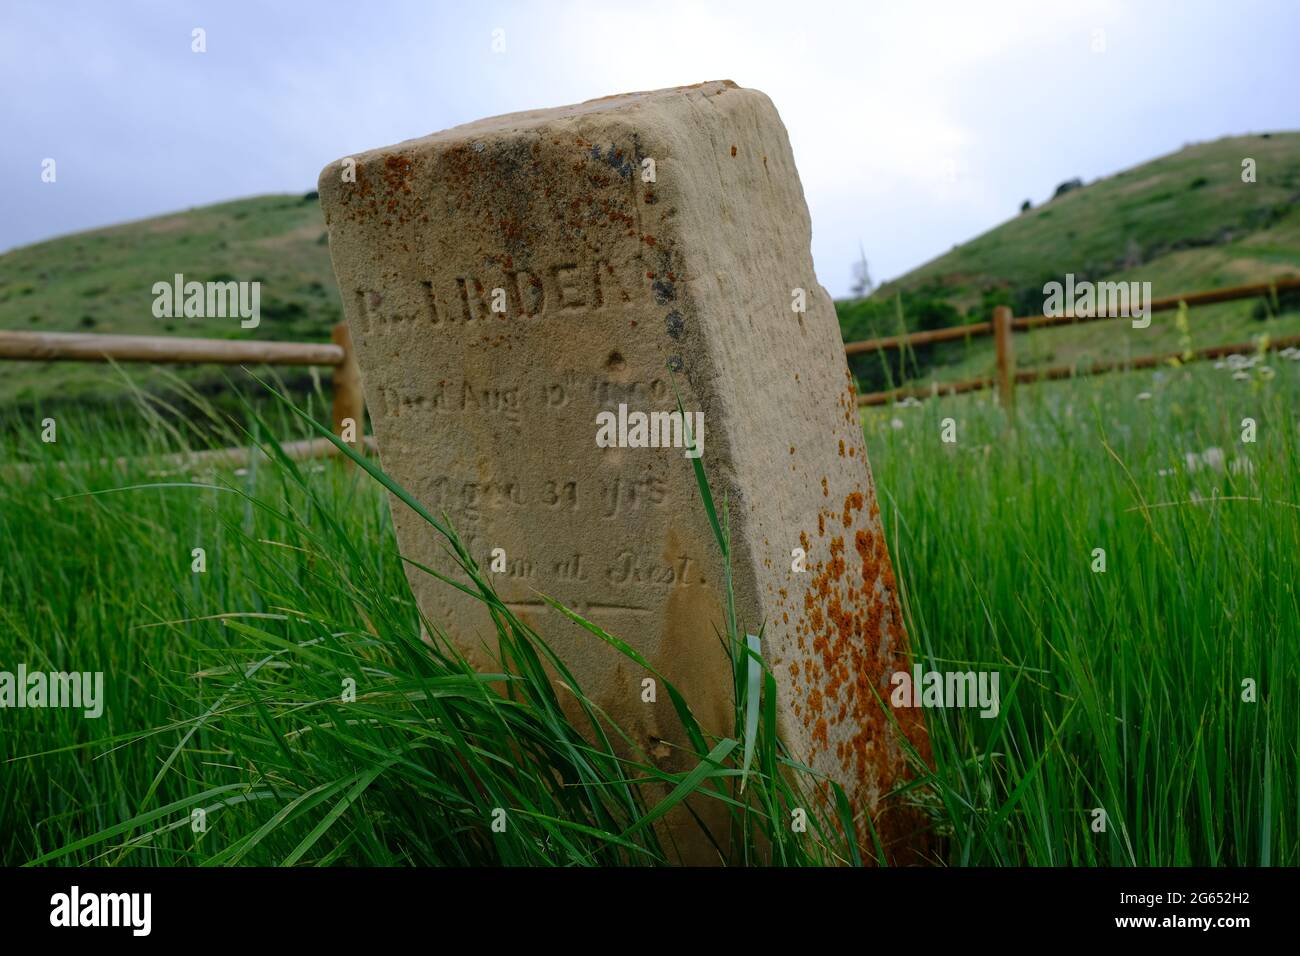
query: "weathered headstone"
520, 290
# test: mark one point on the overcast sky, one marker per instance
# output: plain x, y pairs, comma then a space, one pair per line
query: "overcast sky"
915, 126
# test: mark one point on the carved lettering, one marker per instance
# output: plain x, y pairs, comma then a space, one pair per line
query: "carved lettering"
629, 568
624, 495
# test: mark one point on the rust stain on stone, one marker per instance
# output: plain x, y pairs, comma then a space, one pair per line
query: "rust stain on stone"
852, 620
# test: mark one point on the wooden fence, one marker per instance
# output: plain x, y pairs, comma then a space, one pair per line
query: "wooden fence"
349, 401
1003, 325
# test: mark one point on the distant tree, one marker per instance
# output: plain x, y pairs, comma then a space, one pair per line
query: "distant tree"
1068, 186
1026, 206
862, 284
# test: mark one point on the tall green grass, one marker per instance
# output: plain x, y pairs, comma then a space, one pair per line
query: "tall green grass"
226, 690
287, 694
1122, 690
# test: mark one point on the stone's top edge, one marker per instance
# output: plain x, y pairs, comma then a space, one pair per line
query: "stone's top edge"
616, 99
603, 104
530, 119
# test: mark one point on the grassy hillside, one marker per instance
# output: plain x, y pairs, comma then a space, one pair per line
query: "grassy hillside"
101, 281
1183, 222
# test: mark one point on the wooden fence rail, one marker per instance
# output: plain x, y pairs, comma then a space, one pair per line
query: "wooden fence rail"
1003, 325
349, 401
72, 347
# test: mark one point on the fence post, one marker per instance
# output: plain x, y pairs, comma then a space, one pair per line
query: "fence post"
1006, 357
349, 401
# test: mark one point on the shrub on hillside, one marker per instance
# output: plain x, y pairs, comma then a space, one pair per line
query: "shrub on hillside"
1068, 186
915, 310
1288, 300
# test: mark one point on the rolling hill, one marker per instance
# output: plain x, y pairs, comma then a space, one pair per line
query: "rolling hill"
1184, 222
102, 281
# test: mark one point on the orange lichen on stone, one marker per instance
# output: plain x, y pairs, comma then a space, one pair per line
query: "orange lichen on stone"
854, 625
397, 173
852, 503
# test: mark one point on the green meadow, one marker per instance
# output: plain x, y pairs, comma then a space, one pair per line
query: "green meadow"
1149, 714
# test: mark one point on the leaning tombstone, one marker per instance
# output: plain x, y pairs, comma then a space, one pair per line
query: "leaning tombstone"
529, 295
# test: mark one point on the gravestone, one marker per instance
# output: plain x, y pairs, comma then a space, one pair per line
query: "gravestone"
525, 293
